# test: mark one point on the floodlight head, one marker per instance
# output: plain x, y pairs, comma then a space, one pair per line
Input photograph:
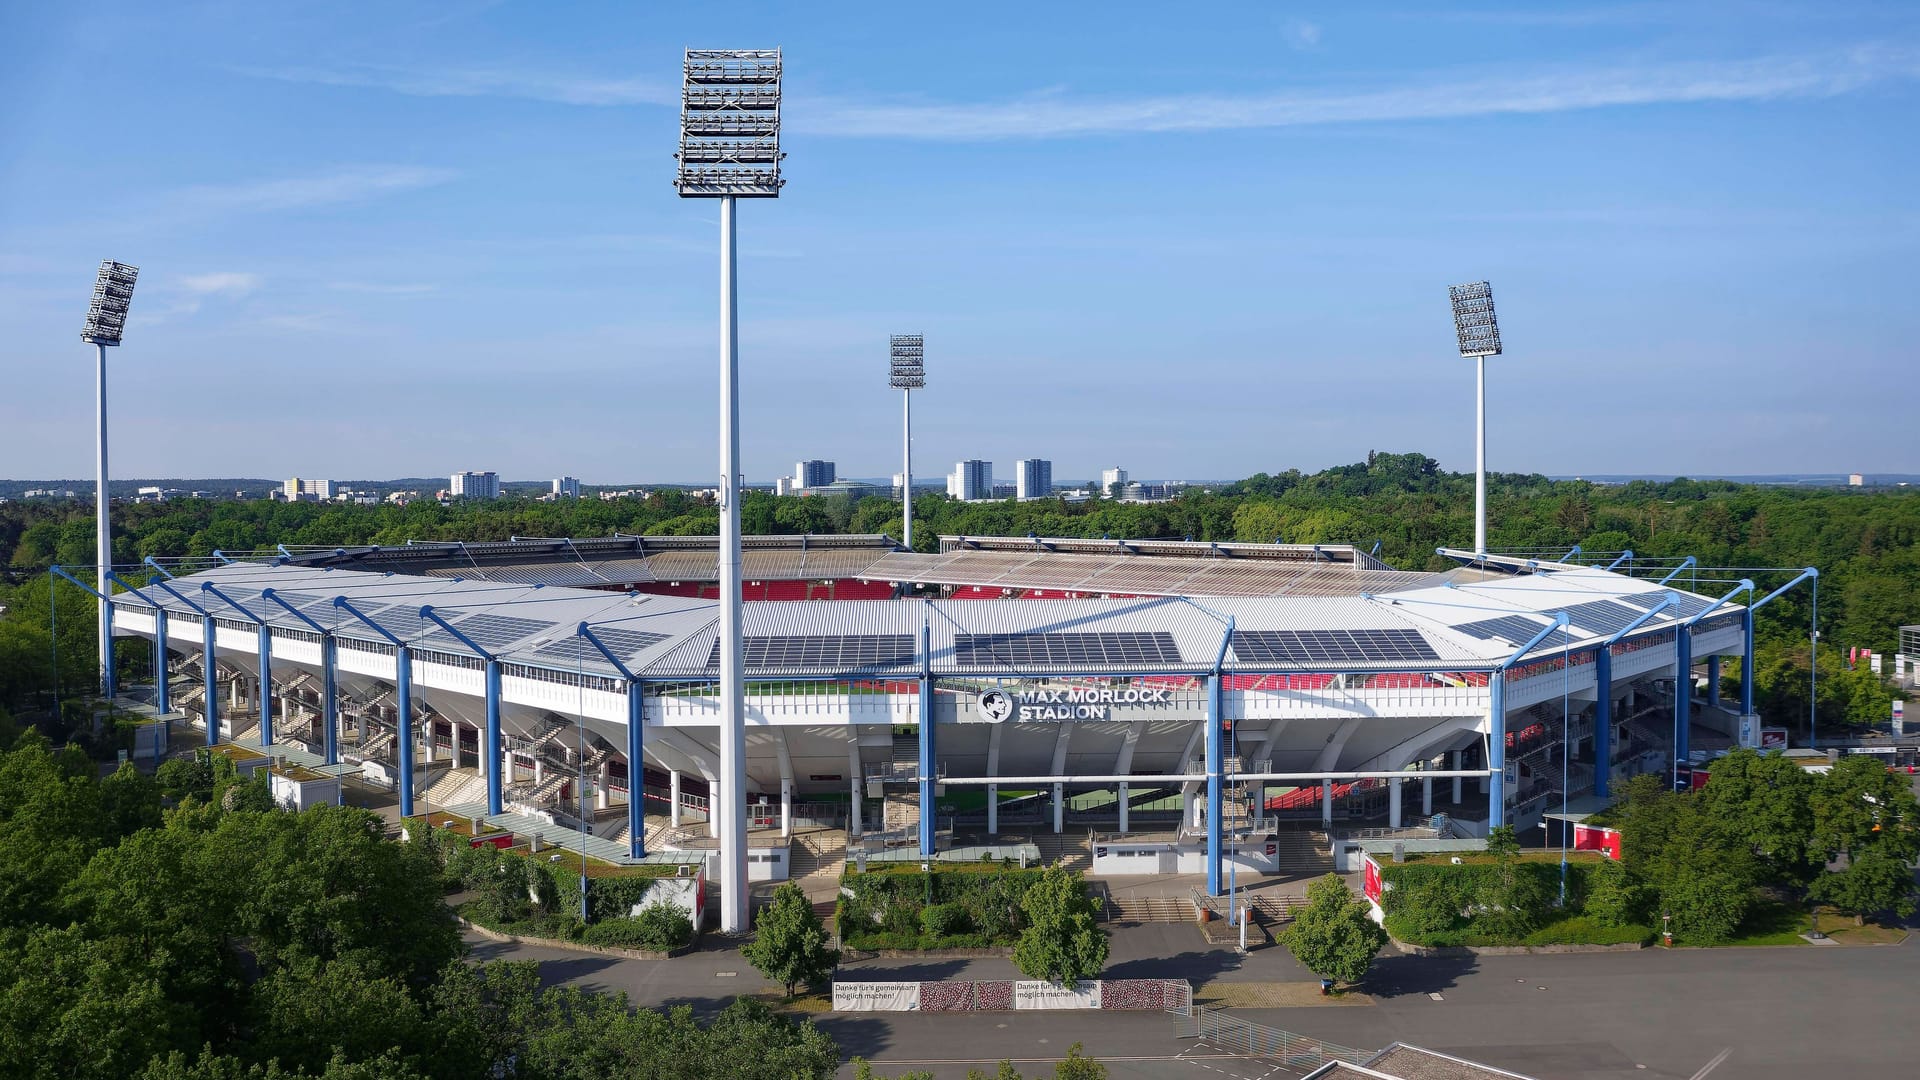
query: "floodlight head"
112, 293
1473, 319
908, 353
730, 125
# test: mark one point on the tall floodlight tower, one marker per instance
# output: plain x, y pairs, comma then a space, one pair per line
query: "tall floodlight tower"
106, 321
1479, 333
730, 149
908, 353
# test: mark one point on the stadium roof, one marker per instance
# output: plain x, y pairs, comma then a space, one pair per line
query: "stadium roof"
1432, 627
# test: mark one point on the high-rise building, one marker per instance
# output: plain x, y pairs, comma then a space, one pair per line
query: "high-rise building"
295, 488
783, 486
971, 479
474, 485
813, 474
1856, 480
1033, 478
1110, 477
566, 487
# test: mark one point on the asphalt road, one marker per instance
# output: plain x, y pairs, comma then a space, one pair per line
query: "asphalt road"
1832, 1012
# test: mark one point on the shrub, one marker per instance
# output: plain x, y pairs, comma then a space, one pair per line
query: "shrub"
660, 927
945, 920
1433, 906
1615, 899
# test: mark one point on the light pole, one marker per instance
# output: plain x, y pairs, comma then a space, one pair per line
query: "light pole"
106, 321
1478, 331
907, 354
730, 149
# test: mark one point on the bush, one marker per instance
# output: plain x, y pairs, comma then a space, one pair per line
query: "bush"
1615, 898
944, 920
1434, 906
1585, 930
660, 927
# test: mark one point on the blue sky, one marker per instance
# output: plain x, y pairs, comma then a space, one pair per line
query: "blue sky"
390, 238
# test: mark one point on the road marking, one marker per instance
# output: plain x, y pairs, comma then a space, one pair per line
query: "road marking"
1712, 1065
1436, 997
725, 974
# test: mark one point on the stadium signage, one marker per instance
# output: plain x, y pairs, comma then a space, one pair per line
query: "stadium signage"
1070, 703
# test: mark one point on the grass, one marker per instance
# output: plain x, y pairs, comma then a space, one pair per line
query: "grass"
570, 861
1572, 930
1768, 923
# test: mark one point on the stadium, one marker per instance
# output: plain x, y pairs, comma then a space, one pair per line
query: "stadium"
1151, 707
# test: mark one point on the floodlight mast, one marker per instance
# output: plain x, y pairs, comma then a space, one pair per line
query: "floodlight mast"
730, 149
1478, 331
106, 322
908, 372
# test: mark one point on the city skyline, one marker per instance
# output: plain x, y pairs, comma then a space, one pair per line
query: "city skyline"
400, 192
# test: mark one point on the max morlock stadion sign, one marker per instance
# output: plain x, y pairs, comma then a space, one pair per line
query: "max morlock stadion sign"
1072, 703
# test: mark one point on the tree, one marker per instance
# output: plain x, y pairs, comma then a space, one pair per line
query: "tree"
1077, 1066
1873, 881
1614, 898
1334, 936
1062, 942
1764, 799
790, 943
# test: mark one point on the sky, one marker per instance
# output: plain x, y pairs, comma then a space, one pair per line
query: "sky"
1195, 241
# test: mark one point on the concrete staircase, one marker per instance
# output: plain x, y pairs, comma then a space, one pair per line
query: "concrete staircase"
1070, 850
816, 860
1303, 852
522, 826
1150, 909
457, 786
902, 812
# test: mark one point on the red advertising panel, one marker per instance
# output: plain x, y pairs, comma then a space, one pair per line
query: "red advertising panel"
502, 841
1371, 879
1773, 738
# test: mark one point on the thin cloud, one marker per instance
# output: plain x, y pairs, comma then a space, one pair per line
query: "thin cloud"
1301, 34
225, 283
380, 289
342, 185
1057, 116
482, 82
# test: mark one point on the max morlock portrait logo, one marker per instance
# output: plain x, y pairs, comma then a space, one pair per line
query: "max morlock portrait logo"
1073, 703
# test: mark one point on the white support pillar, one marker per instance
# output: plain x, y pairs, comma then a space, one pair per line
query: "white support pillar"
1457, 755
1059, 807
993, 809
233, 695
714, 795
1326, 801
1195, 813
426, 754
1122, 803
1426, 796
602, 796
539, 770
1393, 803
786, 809
857, 810
673, 797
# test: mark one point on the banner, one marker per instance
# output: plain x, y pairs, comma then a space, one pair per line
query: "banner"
1370, 881
876, 997
1773, 738
1037, 994
1597, 838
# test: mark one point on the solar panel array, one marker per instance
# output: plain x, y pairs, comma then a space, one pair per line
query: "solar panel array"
624, 643
1322, 647
839, 652
1105, 648
1515, 628
496, 632
1684, 604
1604, 616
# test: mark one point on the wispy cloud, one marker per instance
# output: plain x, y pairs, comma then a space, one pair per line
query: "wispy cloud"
507, 82
382, 289
347, 184
1301, 34
223, 283
1059, 115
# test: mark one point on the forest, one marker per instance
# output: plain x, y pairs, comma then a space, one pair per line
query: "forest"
1862, 542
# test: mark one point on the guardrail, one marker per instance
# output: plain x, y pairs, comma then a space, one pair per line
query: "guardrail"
1233, 1034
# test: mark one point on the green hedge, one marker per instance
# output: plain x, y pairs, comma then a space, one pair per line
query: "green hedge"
974, 905
1442, 904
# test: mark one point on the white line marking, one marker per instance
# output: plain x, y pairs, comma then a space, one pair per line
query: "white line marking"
1712, 1065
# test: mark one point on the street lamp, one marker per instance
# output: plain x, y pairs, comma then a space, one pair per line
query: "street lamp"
106, 321
1478, 331
730, 149
907, 355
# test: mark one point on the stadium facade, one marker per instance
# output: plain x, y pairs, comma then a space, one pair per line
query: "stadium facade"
1216, 691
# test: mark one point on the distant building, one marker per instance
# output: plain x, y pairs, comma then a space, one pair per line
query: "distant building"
1856, 480
566, 487
1110, 477
1033, 478
812, 474
971, 479
783, 486
298, 490
474, 485
857, 489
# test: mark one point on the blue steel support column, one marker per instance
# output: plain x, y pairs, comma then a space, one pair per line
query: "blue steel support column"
490, 739
1497, 750
109, 679
1746, 663
1602, 719
403, 702
162, 697
928, 819
1713, 681
1215, 802
329, 703
1682, 698
207, 680
636, 767
266, 686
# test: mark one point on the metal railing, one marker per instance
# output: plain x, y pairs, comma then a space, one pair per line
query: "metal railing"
1235, 1035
